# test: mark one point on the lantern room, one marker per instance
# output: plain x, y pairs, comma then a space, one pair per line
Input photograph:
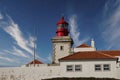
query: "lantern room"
62, 28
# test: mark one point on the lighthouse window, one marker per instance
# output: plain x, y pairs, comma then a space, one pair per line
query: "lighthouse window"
65, 26
61, 47
60, 26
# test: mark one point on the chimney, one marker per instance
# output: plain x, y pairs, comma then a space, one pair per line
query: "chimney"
92, 43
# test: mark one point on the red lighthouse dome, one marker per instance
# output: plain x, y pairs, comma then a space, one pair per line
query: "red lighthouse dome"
62, 28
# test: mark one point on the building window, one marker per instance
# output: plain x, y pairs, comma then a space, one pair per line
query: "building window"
98, 67
61, 48
106, 67
69, 67
59, 26
78, 67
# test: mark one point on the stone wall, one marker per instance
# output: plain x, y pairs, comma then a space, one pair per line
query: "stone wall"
29, 73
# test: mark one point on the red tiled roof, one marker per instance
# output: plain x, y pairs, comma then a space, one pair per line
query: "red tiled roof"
112, 52
83, 46
35, 62
88, 55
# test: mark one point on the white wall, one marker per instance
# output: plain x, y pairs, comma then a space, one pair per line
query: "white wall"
88, 69
30, 73
36, 65
84, 49
42, 72
118, 73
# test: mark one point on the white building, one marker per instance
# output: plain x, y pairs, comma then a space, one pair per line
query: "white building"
82, 61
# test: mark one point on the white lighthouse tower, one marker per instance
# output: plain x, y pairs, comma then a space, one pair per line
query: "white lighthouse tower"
62, 43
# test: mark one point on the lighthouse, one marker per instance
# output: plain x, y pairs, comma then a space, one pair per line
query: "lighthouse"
62, 42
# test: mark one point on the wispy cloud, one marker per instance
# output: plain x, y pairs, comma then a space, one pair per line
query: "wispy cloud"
14, 31
30, 42
17, 52
6, 58
111, 32
49, 57
20, 52
1, 16
23, 44
74, 31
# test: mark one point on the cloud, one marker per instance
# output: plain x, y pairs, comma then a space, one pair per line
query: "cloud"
22, 44
111, 23
13, 30
49, 57
30, 42
6, 58
1, 16
74, 31
17, 52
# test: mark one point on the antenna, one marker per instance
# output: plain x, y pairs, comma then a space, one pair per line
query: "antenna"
62, 14
34, 45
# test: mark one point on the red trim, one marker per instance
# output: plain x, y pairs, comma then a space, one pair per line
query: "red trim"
62, 21
62, 32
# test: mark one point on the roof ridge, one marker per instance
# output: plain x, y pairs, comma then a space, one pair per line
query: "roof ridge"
38, 62
83, 45
106, 54
108, 50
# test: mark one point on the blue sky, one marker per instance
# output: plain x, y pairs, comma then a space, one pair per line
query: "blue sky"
98, 19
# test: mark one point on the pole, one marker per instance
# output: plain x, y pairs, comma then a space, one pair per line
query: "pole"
34, 45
